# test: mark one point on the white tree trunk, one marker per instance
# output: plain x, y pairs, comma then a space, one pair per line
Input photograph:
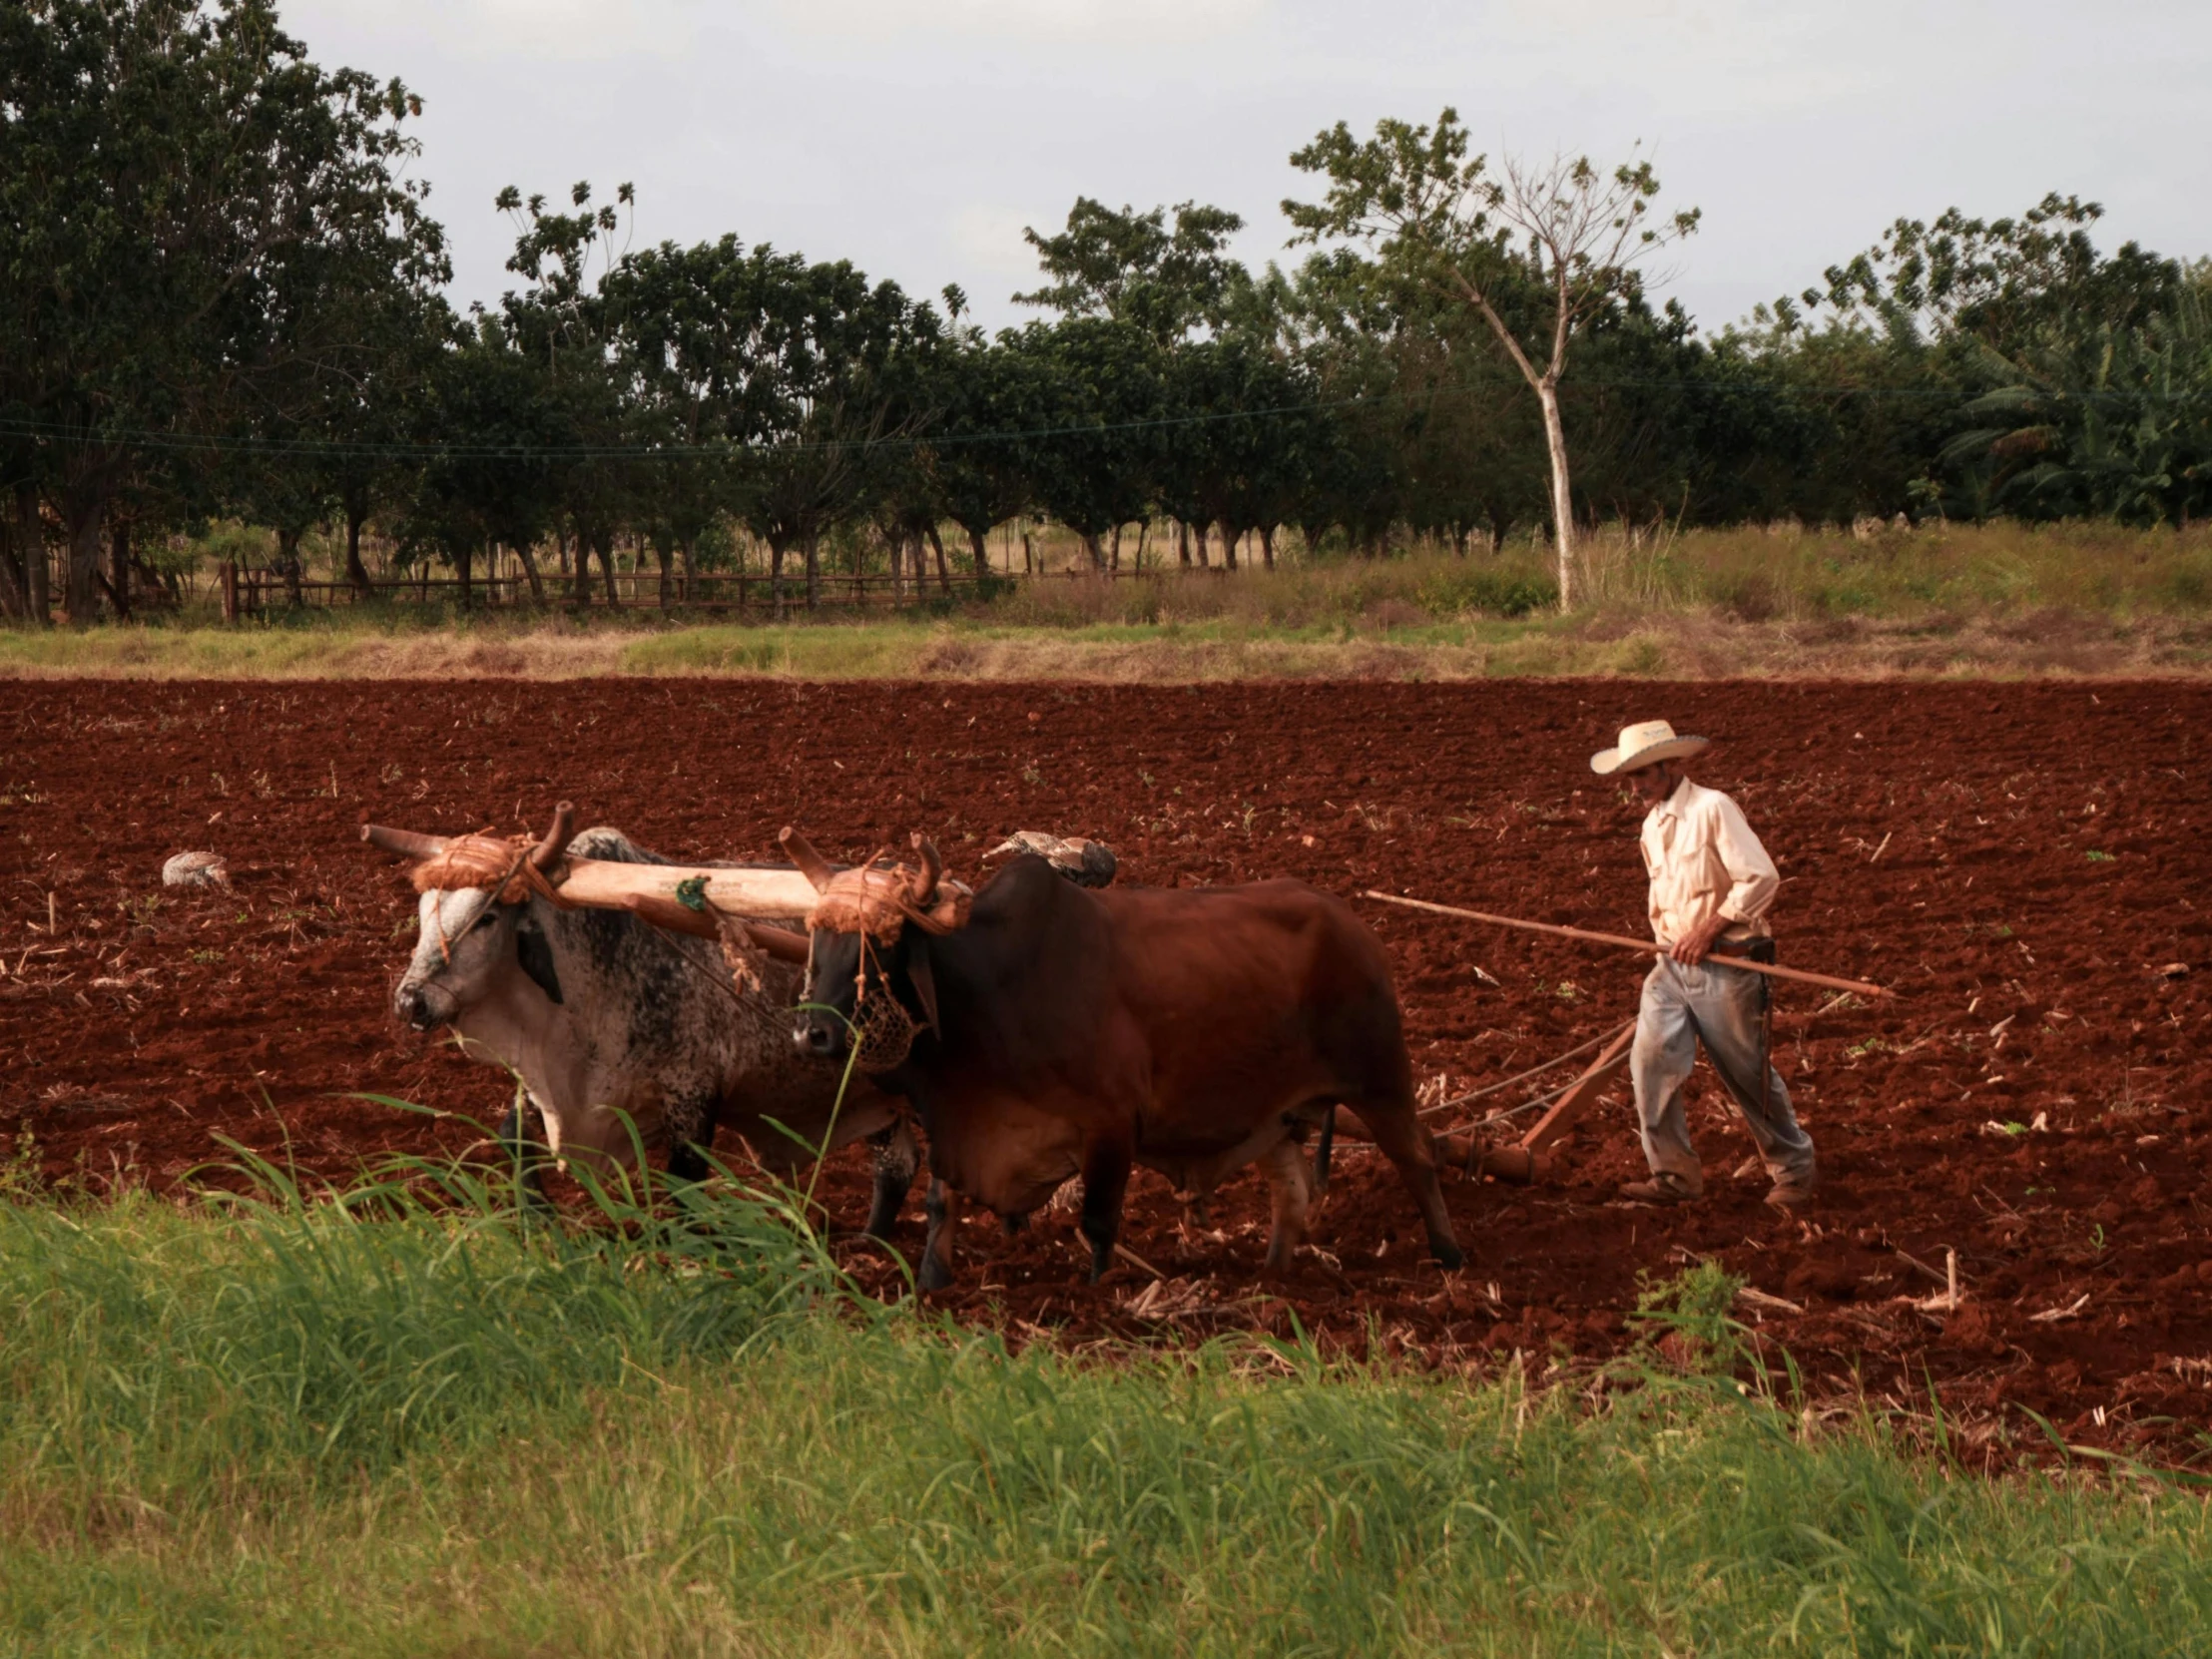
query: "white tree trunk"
1562, 493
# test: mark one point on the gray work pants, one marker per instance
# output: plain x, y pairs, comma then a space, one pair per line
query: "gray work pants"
1723, 1009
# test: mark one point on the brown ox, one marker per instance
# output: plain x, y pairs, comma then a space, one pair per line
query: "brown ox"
1052, 1031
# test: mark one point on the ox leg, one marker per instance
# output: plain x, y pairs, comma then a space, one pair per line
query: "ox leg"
1398, 1131
1105, 1181
897, 1160
523, 1150
1285, 1165
691, 1133
942, 1207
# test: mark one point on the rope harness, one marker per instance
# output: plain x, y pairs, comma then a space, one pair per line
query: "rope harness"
485, 863
876, 900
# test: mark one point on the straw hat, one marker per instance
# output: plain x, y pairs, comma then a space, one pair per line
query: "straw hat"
1642, 745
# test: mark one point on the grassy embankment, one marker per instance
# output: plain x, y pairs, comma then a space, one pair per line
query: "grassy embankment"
1943, 600
274, 1428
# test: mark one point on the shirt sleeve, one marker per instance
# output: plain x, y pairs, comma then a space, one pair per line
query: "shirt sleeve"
1754, 880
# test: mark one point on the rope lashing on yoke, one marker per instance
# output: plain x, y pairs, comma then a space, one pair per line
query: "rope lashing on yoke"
500, 865
510, 868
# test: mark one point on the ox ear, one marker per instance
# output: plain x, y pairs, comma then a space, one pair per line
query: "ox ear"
811, 864
923, 978
534, 952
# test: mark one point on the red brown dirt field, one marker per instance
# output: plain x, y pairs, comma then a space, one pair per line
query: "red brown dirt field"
2024, 863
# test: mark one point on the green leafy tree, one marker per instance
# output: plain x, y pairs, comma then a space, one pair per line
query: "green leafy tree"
2003, 282
165, 164
1095, 458
497, 431
831, 377
1564, 230
689, 328
563, 323
986, 398
1129, 267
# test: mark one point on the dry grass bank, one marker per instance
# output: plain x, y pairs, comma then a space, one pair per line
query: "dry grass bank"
1667, 646
2000, 600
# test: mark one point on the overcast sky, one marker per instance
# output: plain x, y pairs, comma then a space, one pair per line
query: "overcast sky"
917, 139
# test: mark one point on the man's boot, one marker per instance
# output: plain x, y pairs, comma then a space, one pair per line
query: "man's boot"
1658, 1190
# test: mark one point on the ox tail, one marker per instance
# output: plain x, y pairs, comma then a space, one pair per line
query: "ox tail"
1321, 1151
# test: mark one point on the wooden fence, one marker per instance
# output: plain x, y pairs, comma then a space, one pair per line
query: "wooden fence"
248, 592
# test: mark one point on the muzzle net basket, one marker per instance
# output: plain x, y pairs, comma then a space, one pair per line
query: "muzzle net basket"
882, 1030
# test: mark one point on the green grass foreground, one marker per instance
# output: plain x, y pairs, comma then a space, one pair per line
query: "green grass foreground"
260, 1426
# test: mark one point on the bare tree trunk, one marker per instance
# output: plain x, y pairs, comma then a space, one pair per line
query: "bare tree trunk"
1183, 543
463, 557
1267, 545
979, 545
287, 563
1090, 546
13, 592
357, 572
118, 571
667, 557
1144, 530
1229, 536
1113, 558
1198, 533
602, 542
1562, 492
579, 591
944, 573
88, 513
30, 542
530, 570
1028, 555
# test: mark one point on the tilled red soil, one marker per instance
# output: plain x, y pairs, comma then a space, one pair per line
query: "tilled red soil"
2022, 861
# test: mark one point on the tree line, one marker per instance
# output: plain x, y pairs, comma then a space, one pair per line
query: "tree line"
224, 297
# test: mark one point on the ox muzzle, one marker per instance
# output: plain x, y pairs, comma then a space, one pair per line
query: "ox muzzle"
423, 1008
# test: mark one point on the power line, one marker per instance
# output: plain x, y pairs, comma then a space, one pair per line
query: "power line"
331, 448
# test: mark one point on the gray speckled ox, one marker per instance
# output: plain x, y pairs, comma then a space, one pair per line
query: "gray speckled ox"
602, 1016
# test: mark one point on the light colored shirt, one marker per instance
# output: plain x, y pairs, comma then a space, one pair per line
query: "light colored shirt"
1702, 856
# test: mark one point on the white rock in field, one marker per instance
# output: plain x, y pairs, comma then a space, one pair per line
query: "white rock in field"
196, 869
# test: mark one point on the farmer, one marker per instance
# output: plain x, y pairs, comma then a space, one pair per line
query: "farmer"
1712, 885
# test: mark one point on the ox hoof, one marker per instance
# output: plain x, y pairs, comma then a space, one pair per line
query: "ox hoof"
1449, 1257
934, 1275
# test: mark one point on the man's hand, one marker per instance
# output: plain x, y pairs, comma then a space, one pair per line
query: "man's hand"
1695, 945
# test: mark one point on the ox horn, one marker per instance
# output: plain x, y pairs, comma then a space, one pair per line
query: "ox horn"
811, 864
932, 867
406, 842
548, 851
